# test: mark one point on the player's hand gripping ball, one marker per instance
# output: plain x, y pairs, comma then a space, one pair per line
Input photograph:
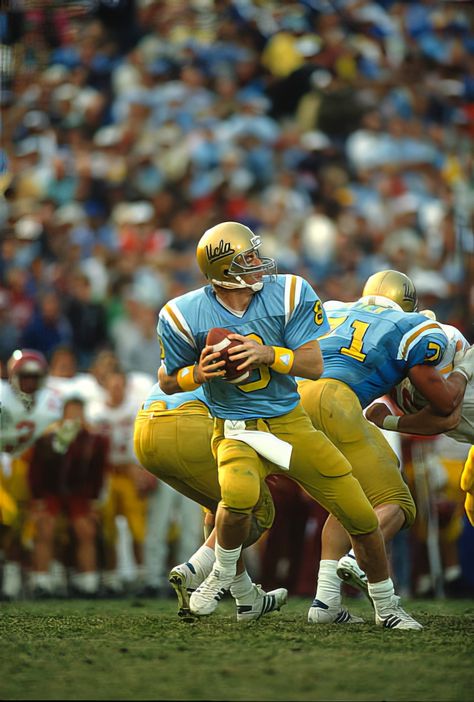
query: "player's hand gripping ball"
218, 338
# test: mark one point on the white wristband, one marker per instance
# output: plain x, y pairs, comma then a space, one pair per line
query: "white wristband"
391, 422
461, 371
466, 364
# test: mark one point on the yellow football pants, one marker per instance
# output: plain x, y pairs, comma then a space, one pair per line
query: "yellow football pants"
316, 464
335, 409
122, 498
175, 445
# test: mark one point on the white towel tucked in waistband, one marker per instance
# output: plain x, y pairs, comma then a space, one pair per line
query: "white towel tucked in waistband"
263, 442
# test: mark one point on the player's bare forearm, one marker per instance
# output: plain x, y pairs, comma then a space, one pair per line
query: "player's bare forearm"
443, 394
308, 361
168, 383
424, 422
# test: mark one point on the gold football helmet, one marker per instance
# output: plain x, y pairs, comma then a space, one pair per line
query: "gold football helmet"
395, 286
225, 252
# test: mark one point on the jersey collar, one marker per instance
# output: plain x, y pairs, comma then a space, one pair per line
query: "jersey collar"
380, 301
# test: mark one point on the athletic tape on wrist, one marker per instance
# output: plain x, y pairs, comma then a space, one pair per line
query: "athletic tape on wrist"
186, 380
284, 359
461, 371
391, 422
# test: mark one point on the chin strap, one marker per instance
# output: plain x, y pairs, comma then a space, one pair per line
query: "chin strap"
237, 286
380, 301
254, 286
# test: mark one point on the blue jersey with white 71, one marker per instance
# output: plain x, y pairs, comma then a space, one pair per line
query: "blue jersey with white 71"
286, 312
372, 348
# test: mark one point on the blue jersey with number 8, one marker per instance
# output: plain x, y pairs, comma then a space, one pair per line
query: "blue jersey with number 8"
286, 312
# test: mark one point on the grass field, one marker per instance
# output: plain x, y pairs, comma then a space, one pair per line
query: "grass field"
139, 650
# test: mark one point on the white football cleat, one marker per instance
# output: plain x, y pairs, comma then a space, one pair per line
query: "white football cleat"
321, 613
348, 570
259, 602
394, 617
183, 580
210, 592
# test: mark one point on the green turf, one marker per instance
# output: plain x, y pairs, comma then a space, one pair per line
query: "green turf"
139, 650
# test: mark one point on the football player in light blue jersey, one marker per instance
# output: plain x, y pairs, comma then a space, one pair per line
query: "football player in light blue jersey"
418, 416
172, 440
374, 343
260, 427
285, 311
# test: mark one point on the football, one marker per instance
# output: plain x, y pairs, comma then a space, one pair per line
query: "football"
218, 338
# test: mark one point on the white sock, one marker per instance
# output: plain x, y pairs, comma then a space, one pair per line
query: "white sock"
329, 585
140, 574
12, 580
351, 553
58, 575
202, 562
41, 579
111, 579
423, 585
381, 594
86, 582
452, 573
226, 559
241, 586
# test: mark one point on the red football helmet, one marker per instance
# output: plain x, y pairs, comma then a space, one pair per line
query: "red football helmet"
27, 370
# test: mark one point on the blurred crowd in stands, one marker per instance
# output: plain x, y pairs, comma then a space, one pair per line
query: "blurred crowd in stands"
340, 130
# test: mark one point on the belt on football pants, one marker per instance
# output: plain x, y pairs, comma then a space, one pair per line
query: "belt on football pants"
263, 442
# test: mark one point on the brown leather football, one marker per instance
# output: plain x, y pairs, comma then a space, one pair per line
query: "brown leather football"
218, 338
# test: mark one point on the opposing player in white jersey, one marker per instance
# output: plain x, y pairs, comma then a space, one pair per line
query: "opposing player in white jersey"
260, 427
27, 408
115, 417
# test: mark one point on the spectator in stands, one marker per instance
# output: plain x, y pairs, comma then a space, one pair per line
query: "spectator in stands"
10, 334
144, 355
87, 319
49, 327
